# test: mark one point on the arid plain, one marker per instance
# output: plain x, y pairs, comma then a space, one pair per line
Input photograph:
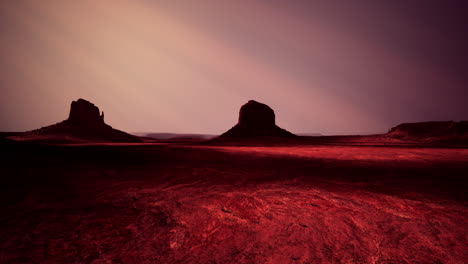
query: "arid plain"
185, 203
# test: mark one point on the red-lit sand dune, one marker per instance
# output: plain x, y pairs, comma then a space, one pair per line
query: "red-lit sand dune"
199, 204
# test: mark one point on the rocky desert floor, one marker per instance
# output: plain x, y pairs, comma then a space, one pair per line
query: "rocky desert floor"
181, 203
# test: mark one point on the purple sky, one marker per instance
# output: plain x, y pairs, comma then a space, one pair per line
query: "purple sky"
332, 67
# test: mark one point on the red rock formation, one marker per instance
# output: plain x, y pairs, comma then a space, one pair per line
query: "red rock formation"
256, 120
84, 124
429, 130
85, 113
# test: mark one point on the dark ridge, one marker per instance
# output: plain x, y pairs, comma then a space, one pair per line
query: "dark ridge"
426, 130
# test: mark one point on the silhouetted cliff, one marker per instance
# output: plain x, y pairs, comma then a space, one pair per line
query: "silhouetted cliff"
84, 124
256, 120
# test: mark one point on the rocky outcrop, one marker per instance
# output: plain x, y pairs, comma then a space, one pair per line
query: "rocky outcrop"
441, 132
256, 120
429, 130
85, 113
84, 124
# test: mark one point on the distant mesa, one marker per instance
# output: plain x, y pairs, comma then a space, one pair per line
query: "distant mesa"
176, 136
438, 130
85, 124
310, 135
256, 120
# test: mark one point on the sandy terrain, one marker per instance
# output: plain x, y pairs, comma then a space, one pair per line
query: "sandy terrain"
203, 204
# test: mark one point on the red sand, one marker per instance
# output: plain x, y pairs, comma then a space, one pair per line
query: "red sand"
187, 204
356, 153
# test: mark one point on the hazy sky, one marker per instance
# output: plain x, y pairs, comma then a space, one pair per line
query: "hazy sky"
333, 67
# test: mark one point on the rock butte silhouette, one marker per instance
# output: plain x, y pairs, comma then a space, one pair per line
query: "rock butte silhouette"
85, 113
256, 120
429, 129
84, 124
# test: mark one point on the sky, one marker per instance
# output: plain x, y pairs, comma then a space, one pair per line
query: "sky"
324, 66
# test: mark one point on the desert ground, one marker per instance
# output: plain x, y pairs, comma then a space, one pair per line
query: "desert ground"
198, 203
